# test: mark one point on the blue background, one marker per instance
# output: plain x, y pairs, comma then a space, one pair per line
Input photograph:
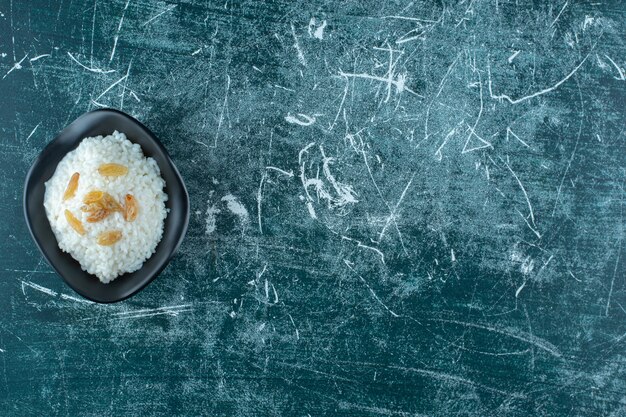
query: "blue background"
398, 208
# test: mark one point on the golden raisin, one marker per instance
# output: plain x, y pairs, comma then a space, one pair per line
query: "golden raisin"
109, 237
71, 187
110, 203
74, 222
97, 215
112, 170
88, 208
93, 196
99, 205
131, 208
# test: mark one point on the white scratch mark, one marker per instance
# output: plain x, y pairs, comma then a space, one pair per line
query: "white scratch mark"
392, 215
30, 271
530, 207
343, 99
380, 194
259, 197
294, 326
482, 145
511, 332
370, 289
297, 46
439, 90
345, 192
33, 131
12, 30
38, 57
302, 119
573, 276
413, 19
16, 66
544, 266
569, 162
519, 290
260, 274
96, 70
202, 143
405, 38
559, 15
438, 153
512, 57
588, 21
93, 30
536, 94
282, 171
69, 297
620, 71
535, 231
399, 81
159, 15
455, 379
38, 288
375, 411
224, 108
117, 33
158, 313
309, 206
125, 84
148, 312
151, 310
111, 86
509, 132
608, 300
196, 52
291, 90
361, 245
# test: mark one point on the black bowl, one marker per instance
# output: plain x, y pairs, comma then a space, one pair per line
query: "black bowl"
104, 122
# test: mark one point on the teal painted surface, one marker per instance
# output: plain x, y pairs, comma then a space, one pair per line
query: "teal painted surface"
398, 208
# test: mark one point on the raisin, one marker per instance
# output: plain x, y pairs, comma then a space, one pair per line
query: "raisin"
109, 237
99, 205
112, 170
110, 203
97, 215
71, 187
93, 196
88, 208
131, 208
74, 222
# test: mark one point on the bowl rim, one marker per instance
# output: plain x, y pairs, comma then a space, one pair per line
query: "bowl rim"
183, 230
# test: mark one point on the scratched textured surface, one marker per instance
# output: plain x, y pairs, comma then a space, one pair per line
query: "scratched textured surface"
398, 208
